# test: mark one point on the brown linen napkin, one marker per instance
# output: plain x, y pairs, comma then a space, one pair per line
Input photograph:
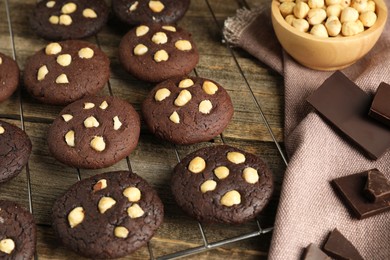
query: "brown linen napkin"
309, 208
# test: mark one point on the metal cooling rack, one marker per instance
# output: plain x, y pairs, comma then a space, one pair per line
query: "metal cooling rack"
206, 245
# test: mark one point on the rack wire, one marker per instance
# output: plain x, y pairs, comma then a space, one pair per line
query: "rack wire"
206, 244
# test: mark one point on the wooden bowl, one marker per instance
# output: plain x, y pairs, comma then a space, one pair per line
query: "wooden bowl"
327, 53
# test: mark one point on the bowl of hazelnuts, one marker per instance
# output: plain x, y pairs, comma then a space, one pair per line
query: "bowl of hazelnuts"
328, 34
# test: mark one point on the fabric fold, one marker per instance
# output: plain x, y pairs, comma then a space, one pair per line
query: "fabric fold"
309, 208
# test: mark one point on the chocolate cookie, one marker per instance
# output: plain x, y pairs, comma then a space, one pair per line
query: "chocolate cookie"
222, 184
15, 149
9, 76
68, 19
142, 11
17, 232
94, 132
66, 71
187, 110
108, 215
157, 52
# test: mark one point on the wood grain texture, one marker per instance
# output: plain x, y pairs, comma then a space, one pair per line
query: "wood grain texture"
153, 159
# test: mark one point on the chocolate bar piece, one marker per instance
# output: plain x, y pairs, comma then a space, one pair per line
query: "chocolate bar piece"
377, 186
380, 107
346, 106
312, 252
338, 247
351, 189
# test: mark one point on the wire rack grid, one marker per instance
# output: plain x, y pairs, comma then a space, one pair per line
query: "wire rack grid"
206, 244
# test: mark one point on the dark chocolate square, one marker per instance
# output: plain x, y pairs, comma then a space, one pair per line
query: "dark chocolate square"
380, 107
345, 105
351, 190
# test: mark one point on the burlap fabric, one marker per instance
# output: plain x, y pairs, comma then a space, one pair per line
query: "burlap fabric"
309, 208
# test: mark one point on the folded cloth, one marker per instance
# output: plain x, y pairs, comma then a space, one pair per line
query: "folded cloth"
309, 208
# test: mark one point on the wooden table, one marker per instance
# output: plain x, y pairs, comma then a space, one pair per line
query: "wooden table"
257, 95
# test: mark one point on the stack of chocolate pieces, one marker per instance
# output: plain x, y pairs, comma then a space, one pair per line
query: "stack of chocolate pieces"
347, 107
336, 247
366, 193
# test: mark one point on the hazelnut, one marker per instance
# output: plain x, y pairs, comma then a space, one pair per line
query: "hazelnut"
208, 185
370, 6
345, 3
89, 105
186, 83
301, 9
316, 16
89, 13
236, 157
221, 172
209, 87
117, 123
368, 18
65, 19
103, 105
250, 175
205, 107
156, 6
301, 24
316, 3
76, 216
333, 10
169, 28
53, 48
197, 165
7, 246
42, 72
349, 14
105, 203
333, 26
98, 144
352, 28
50, 4
183, 98
141, 30
161, 55
174, 117
69, 8
1, 61
67, 117
231, 198
162, 94
140, 49
132, 193
183, 45
332, 2
286, 8
69, 138
64, 60
319, 30
54, 19
90, 122
100, 185
160, 38
133, 7
360, 5
2, 130
135, 211
86, 53
121, 232
62, 79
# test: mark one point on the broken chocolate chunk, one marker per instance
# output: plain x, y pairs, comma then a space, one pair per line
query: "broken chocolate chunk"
377, 187
351, 191
312, 252
380, 107
345, 105
338, 247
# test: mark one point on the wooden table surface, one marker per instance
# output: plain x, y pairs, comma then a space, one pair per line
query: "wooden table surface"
252, 86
